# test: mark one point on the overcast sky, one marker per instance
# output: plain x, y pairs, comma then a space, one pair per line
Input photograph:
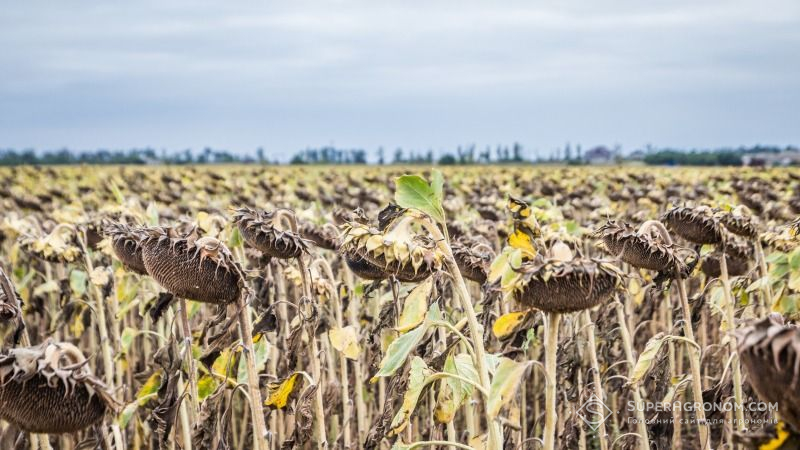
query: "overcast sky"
286, 75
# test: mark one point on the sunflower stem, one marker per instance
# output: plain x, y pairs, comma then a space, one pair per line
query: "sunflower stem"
731, 319
596, 379
187, 339
694, 353
344, 379
319, 404
495, 434
256, 407
550, 355
765, 302
627, 345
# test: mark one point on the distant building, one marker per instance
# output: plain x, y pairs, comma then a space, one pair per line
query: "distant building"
599, 155
789, 157
637, 155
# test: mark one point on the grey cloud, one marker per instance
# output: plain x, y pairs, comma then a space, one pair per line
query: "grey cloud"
414, 74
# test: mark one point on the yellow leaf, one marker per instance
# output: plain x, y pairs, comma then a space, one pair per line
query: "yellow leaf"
499, 266
478, 442
506, 380
507, 324
415, 307
345, 340
636, 291
416, 382
522, 239
150, 387
224, 364
206, 386
777, 442
279, 393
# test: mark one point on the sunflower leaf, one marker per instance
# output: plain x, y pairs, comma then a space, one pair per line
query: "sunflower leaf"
414, 192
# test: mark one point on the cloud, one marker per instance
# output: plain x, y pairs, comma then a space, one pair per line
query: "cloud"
414, 74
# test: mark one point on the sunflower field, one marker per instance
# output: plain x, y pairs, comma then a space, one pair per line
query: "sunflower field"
500, 307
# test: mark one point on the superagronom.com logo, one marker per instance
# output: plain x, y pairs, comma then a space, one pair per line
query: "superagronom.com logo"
594, 412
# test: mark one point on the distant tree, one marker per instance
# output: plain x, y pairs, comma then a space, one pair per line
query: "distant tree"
447, 160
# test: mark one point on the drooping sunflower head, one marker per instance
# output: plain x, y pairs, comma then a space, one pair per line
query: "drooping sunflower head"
323, 236
566, 286
642, 250
770, 352
263, 231
59, 246
49, 389
126, 243
192, 267
401, 249
737, 254
697, 225
561, 283
473, 258
739, 223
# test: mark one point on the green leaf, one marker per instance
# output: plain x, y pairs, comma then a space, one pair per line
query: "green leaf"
77, 282
647, 357
126, 414
454, 392
117, 193
149, 388
776, 257
206, 386
794, 259
506, 380
223, 365
415, 306
416, 383
261, 350
779, 270
236, 238
46, 288
437, 184
126, 338
414, 192
152, 214
400, 348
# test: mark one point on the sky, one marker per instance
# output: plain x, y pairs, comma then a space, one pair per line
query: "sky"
287, 75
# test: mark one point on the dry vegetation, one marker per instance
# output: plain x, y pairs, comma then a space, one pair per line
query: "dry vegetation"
245, 307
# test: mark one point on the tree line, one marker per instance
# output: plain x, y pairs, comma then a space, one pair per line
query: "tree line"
462, 155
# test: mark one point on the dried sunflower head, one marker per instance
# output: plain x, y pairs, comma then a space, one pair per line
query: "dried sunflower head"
192, 267
473, 258
260, 229
342, 216
48, 389
398, 250
60, 246
769, 351
324, 236
736, 257
738, 223
696, 225
640, 250
126, 243
555, 285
